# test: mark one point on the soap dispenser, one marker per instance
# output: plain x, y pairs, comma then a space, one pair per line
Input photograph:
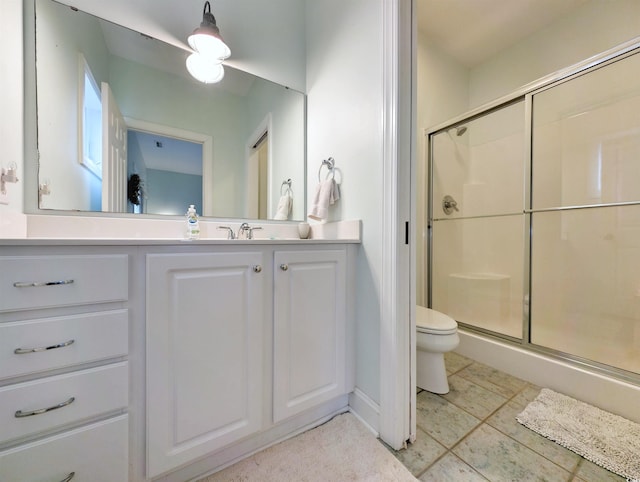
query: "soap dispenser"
193, 225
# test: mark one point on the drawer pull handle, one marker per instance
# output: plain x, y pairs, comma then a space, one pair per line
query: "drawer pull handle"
69, 477
22, 351
20, 413
38, 284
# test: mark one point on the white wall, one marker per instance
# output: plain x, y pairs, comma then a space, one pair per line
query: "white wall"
583, 33
591, 29
443, 85
442, 93
344, 86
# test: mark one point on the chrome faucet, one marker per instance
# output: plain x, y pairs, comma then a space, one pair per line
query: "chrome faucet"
246, 232
230, 234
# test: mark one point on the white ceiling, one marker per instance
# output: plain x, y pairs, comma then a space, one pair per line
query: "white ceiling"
165, 57
266, 37
472, 31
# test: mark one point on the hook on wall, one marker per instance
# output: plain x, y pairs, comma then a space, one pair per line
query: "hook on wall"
8, 175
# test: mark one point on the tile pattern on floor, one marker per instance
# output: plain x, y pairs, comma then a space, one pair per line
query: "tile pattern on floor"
471, 433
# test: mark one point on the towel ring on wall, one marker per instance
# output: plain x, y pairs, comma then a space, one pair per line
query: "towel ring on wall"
286, 190
330, 163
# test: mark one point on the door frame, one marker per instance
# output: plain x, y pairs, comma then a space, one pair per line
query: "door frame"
397, 327
264, 127
190, 136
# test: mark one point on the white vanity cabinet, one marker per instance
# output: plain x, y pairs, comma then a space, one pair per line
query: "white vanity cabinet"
310, 330
245, 345
164, 361
205, 315
64, 376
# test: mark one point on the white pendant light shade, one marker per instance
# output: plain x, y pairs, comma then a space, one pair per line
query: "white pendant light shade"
206, 38
205, 69
209, 45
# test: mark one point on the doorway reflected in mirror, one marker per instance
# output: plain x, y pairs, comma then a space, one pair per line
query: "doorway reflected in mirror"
170, 172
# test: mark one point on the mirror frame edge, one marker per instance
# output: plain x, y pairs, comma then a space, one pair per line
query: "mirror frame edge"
30, 115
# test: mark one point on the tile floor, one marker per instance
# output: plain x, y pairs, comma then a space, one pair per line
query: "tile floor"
471, 434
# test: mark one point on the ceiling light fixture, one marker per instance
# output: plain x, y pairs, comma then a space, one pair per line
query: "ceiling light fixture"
206, 39
205, 64
204, 69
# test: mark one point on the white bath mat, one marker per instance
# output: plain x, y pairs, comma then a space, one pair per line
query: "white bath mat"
608, 440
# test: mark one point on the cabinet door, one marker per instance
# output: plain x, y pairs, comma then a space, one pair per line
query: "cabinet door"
204, 354
309, 329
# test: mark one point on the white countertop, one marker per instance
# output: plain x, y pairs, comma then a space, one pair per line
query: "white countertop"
98, 230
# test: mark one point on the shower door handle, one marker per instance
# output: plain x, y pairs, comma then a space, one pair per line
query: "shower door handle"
449, 205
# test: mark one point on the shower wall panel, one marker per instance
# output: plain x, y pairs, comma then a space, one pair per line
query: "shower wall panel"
585, 241
482, 167
586, 139
477, 275
585, 284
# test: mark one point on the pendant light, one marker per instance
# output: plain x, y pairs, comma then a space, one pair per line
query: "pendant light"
204, 69
205, 63
206, 39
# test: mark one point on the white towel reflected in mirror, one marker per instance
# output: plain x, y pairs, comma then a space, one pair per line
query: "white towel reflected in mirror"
284, 207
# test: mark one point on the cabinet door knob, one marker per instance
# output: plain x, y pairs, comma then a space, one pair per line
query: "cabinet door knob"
284, 267
257, 268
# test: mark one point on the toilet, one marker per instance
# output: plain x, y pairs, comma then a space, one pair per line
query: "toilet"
436, 334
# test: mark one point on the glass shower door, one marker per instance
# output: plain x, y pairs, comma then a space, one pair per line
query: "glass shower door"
585, 247
477, 221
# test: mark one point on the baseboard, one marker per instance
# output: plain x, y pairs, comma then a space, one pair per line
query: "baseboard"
366, 410
607, 393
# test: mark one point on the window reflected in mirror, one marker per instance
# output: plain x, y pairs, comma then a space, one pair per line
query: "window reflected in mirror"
91, 120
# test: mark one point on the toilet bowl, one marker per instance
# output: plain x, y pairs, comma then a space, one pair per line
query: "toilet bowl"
436, 334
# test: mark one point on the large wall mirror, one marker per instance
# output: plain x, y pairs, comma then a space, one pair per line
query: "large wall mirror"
122, 127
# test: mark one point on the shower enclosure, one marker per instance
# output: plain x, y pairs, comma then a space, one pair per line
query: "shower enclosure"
534, 216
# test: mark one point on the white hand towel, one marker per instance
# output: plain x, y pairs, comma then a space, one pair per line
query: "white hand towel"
284, 208
335, 192
327, 193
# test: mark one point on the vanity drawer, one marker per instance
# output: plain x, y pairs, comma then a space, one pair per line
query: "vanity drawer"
95, 453
78, 395
29, 282
62, 341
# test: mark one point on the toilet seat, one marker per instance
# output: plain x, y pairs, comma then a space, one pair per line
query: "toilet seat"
434, 322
